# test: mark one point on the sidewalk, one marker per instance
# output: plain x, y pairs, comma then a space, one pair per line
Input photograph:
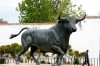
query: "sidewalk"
30, 64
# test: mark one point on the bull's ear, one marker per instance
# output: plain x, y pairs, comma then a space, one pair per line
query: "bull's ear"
80, 19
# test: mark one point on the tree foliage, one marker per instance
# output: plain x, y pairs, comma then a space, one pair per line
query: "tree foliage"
32, 11
74, 53
12, 49
15, 48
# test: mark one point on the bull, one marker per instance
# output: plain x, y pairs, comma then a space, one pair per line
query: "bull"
54, 39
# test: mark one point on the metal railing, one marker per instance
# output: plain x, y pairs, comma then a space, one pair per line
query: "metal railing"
67, 61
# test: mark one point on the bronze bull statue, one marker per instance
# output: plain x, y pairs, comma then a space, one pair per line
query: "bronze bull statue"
54, 39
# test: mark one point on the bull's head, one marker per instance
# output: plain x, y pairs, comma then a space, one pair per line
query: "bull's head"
70, 22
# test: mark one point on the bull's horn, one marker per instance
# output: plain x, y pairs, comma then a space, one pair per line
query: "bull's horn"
59, 16
80, 19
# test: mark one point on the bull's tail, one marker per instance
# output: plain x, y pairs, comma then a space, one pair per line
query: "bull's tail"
14, 35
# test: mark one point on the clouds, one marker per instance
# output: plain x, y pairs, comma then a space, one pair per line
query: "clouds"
7, 10
9, 4
91, 7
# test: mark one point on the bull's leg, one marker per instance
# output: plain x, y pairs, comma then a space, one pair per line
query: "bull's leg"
33, 49
59, 59
20, 53
60, 54
26, 43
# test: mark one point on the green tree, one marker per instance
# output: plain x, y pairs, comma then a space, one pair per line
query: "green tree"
27, 55
7, 48
32, 11
14, 49
70, 51
76, 53
2, 49
35, 11
81, 54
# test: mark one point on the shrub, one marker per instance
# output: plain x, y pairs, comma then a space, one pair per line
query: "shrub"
21, 60
2, 60
67, 62
46, 55
76, 61
42, 62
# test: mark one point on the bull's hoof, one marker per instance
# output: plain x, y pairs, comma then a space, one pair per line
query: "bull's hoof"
37, 63
17, 62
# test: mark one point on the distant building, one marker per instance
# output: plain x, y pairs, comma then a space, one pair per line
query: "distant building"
3, 22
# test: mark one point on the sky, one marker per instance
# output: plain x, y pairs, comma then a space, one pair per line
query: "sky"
91, 7
8, 12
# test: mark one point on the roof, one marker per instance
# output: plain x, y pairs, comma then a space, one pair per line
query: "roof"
93, 17
5, 23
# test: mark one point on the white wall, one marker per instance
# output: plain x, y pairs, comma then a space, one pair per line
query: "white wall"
7, 30
87, 38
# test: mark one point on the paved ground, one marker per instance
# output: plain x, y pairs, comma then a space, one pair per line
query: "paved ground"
30, 64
